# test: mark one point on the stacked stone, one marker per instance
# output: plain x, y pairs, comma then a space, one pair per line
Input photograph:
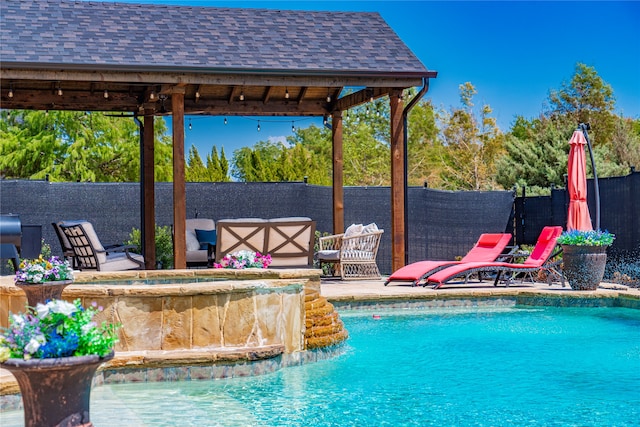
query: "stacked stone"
324, 328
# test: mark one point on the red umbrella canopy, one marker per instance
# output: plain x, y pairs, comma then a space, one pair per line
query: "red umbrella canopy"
578, 217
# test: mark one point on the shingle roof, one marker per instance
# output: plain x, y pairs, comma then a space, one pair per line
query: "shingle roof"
143, 36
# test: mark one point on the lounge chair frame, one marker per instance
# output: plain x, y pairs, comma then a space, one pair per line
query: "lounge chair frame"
549, 265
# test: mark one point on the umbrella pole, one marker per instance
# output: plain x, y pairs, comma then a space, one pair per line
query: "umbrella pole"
584, 127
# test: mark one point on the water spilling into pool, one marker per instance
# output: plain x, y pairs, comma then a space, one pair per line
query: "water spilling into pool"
502, 367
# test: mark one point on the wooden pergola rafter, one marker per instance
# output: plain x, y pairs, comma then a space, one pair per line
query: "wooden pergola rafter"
83, 77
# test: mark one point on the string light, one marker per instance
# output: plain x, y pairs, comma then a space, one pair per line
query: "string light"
10, 94
190, 126
293, 126
106, 94
242, 96
152, 95
324, 120
225, 121
258, 125
328, 96
286, 93
197, 95
59, 91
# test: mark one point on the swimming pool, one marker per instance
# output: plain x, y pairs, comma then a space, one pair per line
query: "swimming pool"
484, 367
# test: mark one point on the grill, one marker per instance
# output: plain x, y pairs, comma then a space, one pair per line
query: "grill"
11, 230
10, 238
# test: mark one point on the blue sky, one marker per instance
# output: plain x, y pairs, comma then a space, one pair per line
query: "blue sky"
513, 52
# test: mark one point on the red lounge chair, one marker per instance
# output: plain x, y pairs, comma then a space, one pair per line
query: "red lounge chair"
487, 248
541, 253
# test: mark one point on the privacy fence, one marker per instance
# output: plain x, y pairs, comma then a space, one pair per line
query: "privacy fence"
441, 224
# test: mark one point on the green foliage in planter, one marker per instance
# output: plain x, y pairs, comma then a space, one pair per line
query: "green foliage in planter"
164, 245
586, 238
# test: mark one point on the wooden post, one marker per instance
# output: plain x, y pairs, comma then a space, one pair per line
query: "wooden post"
397, 181
179, 187
148, 189
338, 177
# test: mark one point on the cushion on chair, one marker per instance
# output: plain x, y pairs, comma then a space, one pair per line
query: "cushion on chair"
118, 261
353, 230
369, 228
206, 237
329, 255
192, 240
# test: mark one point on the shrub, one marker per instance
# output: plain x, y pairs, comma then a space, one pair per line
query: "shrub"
164, 245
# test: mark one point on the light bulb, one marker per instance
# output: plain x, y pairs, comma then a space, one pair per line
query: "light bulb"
59, 91
225, 120
197, 95
328, 98
190, 126
106, 94
152, 95
10, 94
258, 125
241, 96
293, 127
286, 93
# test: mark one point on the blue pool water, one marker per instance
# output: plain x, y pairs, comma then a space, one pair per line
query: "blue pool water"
502, 367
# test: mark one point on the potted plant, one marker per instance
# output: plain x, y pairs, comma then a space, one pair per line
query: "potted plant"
53, 350
43, 279
584, 257
244, 259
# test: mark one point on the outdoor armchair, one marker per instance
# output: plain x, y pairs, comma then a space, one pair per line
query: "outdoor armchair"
92, 255
352, 253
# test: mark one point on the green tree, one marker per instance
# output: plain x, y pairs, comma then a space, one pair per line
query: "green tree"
471, 146
586, 98
195, 170
74, 146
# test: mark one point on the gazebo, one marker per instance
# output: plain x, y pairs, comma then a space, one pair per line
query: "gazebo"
154, 60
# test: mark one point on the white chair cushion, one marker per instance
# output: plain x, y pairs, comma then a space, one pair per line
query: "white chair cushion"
353, 230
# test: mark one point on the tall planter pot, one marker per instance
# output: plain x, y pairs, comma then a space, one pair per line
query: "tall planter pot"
56, 392
41, 292
584, 266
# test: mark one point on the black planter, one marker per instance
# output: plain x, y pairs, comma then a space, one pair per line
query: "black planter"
56, 391
584, 266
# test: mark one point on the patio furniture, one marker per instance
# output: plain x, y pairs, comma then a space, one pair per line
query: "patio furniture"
352, 253
539, 259
200, 234
92, 255
488, 247
288, 240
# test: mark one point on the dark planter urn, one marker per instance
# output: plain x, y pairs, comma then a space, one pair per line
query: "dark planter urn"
584, 266
41, 292
55, 392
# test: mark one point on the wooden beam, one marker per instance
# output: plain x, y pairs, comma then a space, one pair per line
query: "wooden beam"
338, 173
301, 95
267, 94
397, 180
179, 187
148, 190
361, 97
397, 80
256, 108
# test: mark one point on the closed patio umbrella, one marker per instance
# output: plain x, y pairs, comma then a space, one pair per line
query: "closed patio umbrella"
578, 217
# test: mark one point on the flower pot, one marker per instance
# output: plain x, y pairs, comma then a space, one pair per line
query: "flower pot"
584, 266
41, 292
56, 392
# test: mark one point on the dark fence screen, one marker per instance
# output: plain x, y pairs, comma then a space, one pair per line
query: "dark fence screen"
441, 224
619, 211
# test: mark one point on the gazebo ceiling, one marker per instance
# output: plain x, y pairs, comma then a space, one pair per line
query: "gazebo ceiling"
66, 55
